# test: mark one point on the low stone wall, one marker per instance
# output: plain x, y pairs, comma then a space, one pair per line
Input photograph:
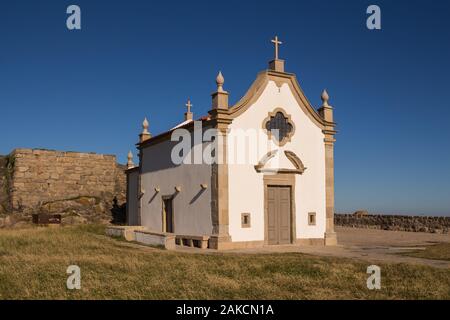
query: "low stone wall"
80, 186
126, 232
141, 235
164, 240
394, 222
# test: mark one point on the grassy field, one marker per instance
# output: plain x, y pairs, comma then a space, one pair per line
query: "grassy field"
439, 251
33, 265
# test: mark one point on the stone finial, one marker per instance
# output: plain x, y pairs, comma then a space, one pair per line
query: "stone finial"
130, 163
188, 114
220, 81
326, 111
145, 126
325, 97
145, 135
220, 97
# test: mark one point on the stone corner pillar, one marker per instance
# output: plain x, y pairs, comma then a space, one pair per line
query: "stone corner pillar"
326, 112
220, 237
330, 234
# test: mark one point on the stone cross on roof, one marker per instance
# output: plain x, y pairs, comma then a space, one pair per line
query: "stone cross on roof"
276, 64
276, 42
188, 115
189, 105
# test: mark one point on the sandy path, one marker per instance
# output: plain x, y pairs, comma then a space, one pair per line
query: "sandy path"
370, 245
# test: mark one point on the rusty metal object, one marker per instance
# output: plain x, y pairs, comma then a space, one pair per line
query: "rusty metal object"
43, 218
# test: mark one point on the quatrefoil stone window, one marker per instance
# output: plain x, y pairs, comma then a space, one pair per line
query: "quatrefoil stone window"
279, 125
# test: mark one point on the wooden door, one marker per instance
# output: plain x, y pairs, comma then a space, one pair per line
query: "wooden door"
168, 215
279, 215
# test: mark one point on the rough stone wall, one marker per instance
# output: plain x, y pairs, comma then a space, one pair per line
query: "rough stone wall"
395, 222
120, 182
76, 184
4, 189
41, 176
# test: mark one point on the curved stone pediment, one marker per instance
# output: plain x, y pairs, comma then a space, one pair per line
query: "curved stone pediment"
290, 155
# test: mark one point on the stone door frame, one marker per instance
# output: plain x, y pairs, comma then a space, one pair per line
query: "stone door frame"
281, 180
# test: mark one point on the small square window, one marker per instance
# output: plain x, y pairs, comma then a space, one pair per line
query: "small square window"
245, 220
312, 218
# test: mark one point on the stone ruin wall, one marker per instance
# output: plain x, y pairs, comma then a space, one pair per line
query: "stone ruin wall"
394, 222
4, 190
78, 184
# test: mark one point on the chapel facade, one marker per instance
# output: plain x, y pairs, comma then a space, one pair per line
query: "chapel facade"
282, 194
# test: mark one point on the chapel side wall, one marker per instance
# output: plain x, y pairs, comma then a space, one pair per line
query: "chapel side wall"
192, 205
132, 197
246, 187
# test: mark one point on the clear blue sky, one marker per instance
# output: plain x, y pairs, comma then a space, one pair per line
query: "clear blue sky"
89, 90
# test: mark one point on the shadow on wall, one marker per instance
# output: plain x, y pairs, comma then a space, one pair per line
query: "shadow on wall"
118, 212
197, 196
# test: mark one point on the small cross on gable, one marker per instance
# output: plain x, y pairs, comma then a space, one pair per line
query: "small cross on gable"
189, 105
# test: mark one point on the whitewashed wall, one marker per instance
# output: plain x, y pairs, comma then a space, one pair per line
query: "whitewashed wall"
246, 187
192, 206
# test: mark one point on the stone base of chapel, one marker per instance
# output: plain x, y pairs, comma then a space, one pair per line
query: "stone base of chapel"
330, 239
220, 243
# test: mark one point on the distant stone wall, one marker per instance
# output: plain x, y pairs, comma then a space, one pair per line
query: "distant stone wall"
48, 181
394, 222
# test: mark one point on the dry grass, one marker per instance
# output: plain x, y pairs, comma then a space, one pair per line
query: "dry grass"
33, 265
439, 251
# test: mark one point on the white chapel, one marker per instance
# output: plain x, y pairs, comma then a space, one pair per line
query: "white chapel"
269, 179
